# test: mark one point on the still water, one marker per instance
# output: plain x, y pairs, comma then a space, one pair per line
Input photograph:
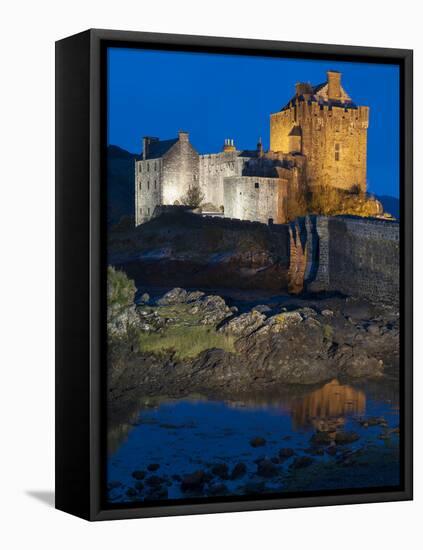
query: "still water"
179, 437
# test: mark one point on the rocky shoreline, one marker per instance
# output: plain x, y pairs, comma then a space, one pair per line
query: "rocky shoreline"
189, 341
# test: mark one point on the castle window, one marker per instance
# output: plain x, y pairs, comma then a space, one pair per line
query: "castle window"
148, 185
155, 166
148, 211
140, 211
155, 184
148, 167
257, 185
140, 167
337, 151
140, 186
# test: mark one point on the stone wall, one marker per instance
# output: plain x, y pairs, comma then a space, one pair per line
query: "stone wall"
354, 256
213, 169
256, 198
364, 257
148, 188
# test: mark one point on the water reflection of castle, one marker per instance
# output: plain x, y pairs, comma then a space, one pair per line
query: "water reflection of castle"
330, 401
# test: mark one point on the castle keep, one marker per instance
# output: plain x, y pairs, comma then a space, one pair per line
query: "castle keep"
317, 140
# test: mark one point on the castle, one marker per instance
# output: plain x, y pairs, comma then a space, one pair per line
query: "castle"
317, 140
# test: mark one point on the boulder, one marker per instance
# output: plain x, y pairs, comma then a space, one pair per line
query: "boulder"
244, 324
145, 298
174, 296
193, 482
138, 474
266, 468
344, 438
220, 470
285, 452
258, 442
239, 470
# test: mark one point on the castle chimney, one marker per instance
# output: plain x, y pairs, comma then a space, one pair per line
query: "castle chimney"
259, 148
334, 85
229, 145
183, 136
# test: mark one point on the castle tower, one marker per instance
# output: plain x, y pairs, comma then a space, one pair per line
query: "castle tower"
324, 125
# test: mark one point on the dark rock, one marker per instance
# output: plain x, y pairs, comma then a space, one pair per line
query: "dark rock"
239, 470
131, 492
139, 486
220, 470
302, 462
344, 438
193, 482
154, 481
373, 421
266, 468
153, 467
138, 474
285, 452
258, 442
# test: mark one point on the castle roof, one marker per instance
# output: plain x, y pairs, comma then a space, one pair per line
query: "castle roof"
320, 95
157, 149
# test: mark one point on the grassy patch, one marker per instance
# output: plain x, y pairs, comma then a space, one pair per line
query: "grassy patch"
187, 342
328, 332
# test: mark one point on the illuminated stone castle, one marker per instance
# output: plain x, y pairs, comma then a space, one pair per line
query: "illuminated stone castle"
317, 140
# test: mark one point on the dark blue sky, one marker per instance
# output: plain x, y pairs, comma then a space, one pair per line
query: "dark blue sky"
214, 97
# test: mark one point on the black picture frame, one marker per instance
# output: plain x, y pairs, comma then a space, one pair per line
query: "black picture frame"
80, 271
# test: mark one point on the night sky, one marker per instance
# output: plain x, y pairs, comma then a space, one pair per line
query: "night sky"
214, 97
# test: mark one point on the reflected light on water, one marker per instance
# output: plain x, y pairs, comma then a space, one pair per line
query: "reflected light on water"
330, 401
